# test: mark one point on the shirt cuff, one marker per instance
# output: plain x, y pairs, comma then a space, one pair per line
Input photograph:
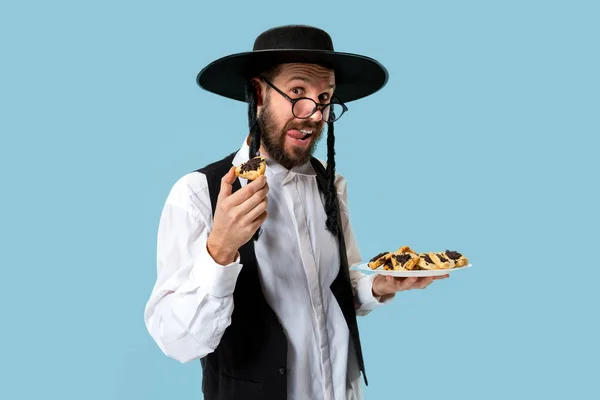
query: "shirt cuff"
215, 279
364, 295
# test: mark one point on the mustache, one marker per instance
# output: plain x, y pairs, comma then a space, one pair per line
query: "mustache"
316, 126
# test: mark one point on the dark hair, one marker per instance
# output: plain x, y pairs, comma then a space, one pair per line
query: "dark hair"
331, 201
253, 126
254, 129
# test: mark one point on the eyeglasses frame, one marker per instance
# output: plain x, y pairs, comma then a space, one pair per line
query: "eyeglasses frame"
318, 106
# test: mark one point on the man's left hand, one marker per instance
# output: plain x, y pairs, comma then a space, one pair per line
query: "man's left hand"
386, 285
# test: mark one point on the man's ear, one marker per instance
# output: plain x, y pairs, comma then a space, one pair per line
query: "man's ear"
259, 89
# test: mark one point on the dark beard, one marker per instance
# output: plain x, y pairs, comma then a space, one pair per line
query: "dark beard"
273, 139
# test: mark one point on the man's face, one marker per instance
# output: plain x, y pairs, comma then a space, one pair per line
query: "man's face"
288, 140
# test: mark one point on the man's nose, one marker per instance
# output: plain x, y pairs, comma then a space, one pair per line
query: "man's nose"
317, 115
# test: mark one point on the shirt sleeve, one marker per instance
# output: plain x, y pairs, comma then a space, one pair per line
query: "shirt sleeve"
362, 284
192, 300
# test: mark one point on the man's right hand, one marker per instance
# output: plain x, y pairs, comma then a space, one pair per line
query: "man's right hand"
237, 217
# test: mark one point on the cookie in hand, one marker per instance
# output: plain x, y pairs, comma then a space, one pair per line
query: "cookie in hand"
252, 168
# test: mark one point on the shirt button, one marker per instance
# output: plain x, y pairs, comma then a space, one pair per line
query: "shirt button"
281, 371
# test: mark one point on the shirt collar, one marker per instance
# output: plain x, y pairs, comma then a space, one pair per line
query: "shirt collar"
273, 168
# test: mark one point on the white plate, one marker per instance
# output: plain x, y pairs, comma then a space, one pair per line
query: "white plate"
418, 273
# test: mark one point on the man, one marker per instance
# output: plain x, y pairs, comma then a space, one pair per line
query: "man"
253, 276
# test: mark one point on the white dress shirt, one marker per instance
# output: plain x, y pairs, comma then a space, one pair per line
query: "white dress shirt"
191, 303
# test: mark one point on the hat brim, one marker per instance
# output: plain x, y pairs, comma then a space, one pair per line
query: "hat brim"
356, 76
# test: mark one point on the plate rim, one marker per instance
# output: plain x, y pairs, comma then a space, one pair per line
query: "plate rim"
364, 267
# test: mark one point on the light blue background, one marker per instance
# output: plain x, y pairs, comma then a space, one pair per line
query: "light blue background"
485, 140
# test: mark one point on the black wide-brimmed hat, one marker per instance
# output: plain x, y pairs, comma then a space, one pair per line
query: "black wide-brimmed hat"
356, 76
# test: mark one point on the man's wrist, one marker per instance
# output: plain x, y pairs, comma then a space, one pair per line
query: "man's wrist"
219, 254
374, 289
380, 295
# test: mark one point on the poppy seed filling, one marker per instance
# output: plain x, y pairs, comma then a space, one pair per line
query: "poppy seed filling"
378, 256
402, 258
428, 259
454, 255
251, 165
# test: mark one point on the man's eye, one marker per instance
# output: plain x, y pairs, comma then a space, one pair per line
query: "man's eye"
297, 91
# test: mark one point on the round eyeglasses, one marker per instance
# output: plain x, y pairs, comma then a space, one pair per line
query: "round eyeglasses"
305, 107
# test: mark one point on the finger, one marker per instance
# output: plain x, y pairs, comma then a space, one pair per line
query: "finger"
423, 283
389, 283
255, 212
405, 284
248, 191
441, 277
258, 197
226, 184
259, 221
395, 280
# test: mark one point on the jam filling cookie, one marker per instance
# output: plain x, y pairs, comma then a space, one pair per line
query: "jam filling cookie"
441, 261
388, 265
426, 262
252, 168
458, 259
404, 261
379, 259
406, 249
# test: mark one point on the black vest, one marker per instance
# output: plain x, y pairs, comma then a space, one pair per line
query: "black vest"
250, 361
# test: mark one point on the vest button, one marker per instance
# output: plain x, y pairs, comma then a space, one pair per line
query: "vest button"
281, 371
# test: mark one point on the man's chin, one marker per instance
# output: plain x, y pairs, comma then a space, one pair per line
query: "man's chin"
288, 154
298, 155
